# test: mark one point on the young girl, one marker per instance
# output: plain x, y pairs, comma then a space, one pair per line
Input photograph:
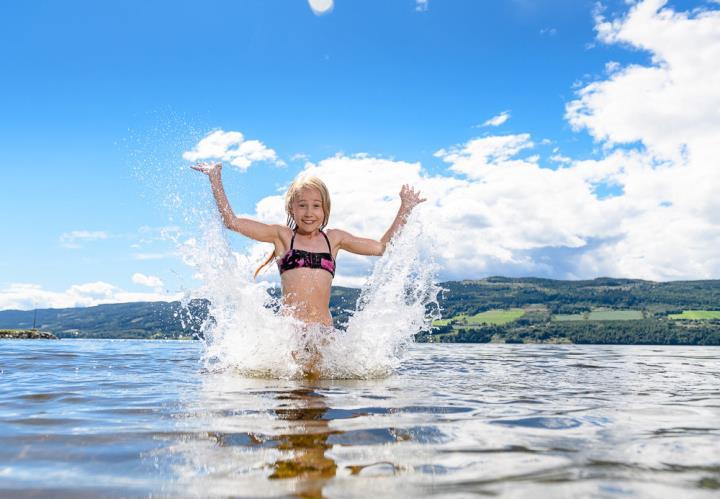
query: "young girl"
305, 254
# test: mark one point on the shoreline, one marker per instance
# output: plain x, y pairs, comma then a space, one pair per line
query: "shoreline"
26, 334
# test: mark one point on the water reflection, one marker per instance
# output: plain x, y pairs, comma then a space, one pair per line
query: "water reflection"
307, 442
576, 420
263, 436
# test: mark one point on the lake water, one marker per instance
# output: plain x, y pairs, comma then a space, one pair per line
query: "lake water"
88, 418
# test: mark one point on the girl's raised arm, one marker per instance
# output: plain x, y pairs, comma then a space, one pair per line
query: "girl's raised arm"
409, 199
253, 229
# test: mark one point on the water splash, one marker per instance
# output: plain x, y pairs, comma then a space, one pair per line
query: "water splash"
245, 332
241, 331
398, 300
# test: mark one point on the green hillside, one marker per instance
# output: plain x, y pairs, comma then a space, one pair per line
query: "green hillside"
605, 310
498, 309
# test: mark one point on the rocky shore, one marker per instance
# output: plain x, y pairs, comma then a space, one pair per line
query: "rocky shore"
26, 334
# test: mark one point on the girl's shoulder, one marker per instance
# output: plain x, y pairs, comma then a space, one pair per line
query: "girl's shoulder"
337, 237
335, 234
286, 234
284, 230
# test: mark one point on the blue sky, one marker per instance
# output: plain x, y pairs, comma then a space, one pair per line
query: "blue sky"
100, 99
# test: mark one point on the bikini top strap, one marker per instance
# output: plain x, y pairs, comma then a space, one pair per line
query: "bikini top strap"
327, 241
292, 241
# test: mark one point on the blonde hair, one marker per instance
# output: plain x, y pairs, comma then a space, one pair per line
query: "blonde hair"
300, 183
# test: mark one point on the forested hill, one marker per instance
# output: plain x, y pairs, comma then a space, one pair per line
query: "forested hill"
603, 310
567, 297
116, 320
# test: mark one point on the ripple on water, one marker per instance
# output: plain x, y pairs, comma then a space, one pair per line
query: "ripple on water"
418, 434
41, 397
547, 423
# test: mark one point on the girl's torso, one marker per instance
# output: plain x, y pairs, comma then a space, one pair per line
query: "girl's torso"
301, 258
306, 273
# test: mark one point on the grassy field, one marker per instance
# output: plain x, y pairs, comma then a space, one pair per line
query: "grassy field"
696, 315
601, 315
490, 317
568, 317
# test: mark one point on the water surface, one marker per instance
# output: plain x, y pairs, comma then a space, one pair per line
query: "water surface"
140, 418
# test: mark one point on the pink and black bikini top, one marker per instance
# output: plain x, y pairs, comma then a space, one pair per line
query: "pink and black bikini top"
297, 258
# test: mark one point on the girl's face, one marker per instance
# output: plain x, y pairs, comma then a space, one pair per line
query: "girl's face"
307, 210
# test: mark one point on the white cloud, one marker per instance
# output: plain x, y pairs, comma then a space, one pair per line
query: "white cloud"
477, 154
24, 296
672, 224
668, 104
74, 239
422, 5
612, 67
506, 215
559, 158
299, 157
232, 147
497, 120
150, 281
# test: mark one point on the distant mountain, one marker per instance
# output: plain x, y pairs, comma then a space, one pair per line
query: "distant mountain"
116, 320
592, 311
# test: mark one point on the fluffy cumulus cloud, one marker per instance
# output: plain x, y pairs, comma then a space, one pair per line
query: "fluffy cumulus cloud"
671, 222
473, 158
669, 105
646, 208
232, 147
23, 296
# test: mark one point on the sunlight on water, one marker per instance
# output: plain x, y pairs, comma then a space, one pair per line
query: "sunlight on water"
246, 334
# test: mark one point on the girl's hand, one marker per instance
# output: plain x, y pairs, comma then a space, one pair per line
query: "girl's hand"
409, 198
209, 169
